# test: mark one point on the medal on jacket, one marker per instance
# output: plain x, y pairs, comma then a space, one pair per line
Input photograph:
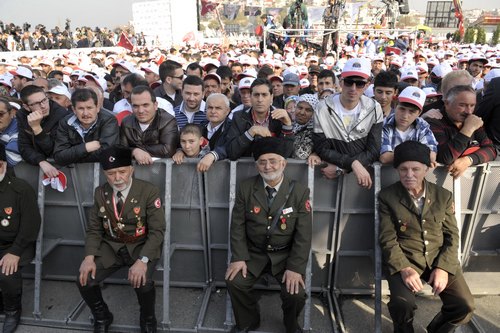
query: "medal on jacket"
403, 227
120, 225
5, 223
283, 224
140, 231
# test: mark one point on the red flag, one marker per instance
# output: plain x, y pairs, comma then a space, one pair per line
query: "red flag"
125, 42
207, 6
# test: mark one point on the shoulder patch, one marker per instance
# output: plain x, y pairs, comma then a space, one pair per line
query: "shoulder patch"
157, 203
308, 205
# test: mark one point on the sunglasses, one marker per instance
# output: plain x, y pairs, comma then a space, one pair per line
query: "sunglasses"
350, 82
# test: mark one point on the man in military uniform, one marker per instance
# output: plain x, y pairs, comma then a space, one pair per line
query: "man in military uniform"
419, 240
270, 233
126, 228
19, 225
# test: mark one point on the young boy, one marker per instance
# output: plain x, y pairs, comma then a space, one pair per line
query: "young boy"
406, 125
384, 90
193, 144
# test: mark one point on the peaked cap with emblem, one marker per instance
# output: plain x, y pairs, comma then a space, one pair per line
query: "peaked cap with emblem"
115, 157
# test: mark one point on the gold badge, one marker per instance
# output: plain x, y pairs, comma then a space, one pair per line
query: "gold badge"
283, 226
403, 228
5, 223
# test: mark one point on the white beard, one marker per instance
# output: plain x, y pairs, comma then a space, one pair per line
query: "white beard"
269, 177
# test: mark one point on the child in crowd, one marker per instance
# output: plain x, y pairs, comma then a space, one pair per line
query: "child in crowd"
405, 125
193, 144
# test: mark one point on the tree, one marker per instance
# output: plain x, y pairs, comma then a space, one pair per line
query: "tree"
481, 36
496, 36
470, 35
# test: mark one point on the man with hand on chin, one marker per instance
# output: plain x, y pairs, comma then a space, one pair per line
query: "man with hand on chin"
37, 123
126, 228
261, 120
419, 240
270, 233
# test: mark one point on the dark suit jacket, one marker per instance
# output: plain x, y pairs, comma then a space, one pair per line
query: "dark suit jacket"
217, 142
409, 239
143, 202
251, 217
489, 110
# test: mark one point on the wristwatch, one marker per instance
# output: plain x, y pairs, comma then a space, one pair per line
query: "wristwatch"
144, 259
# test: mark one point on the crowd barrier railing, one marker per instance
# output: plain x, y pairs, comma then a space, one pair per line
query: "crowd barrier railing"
345, 257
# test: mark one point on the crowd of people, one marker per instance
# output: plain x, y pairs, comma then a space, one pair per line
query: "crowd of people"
20, 38
339, 112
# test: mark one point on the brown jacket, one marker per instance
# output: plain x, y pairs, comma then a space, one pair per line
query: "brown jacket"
142, 203
410, 239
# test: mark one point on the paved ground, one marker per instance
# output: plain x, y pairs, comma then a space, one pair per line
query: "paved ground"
59, 299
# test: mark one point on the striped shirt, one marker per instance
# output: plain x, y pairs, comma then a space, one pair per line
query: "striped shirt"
419, 131
9, 139
452, 144
182, 119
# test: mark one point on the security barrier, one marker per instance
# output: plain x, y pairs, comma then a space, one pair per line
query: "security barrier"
345, 258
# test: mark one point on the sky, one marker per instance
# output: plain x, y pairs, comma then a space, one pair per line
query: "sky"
113, 13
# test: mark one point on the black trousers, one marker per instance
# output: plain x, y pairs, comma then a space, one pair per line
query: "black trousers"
457, 309
122, 259
246, 308
12, 289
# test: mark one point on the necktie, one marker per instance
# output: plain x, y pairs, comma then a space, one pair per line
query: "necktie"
270, 194
119, 203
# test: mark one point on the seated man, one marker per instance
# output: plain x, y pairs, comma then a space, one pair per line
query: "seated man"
83, 135
462, 140
214, 131
271, 232
149, 131
259, 120
37, 124
126, 228
20, 221
419, 240
348, 126
193, 144
405, 124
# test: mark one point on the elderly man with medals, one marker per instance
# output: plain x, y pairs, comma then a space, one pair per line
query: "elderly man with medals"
126, 228
270, 233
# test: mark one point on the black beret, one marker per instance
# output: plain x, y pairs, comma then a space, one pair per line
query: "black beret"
266, 145
115, 157
412, 151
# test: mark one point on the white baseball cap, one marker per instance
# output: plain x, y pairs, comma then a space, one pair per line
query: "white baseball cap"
430, 92
22, 71
409, 73
494, 73
60, 90
357, 67
246, 83
413, 95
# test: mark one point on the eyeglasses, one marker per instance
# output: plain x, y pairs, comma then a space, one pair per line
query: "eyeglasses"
38, 104
273, 162
359, 84
180, 77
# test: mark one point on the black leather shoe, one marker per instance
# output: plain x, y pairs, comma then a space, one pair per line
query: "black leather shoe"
12, 319
102, 325
148, 325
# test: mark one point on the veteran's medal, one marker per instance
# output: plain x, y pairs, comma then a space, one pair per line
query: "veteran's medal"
5, 223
